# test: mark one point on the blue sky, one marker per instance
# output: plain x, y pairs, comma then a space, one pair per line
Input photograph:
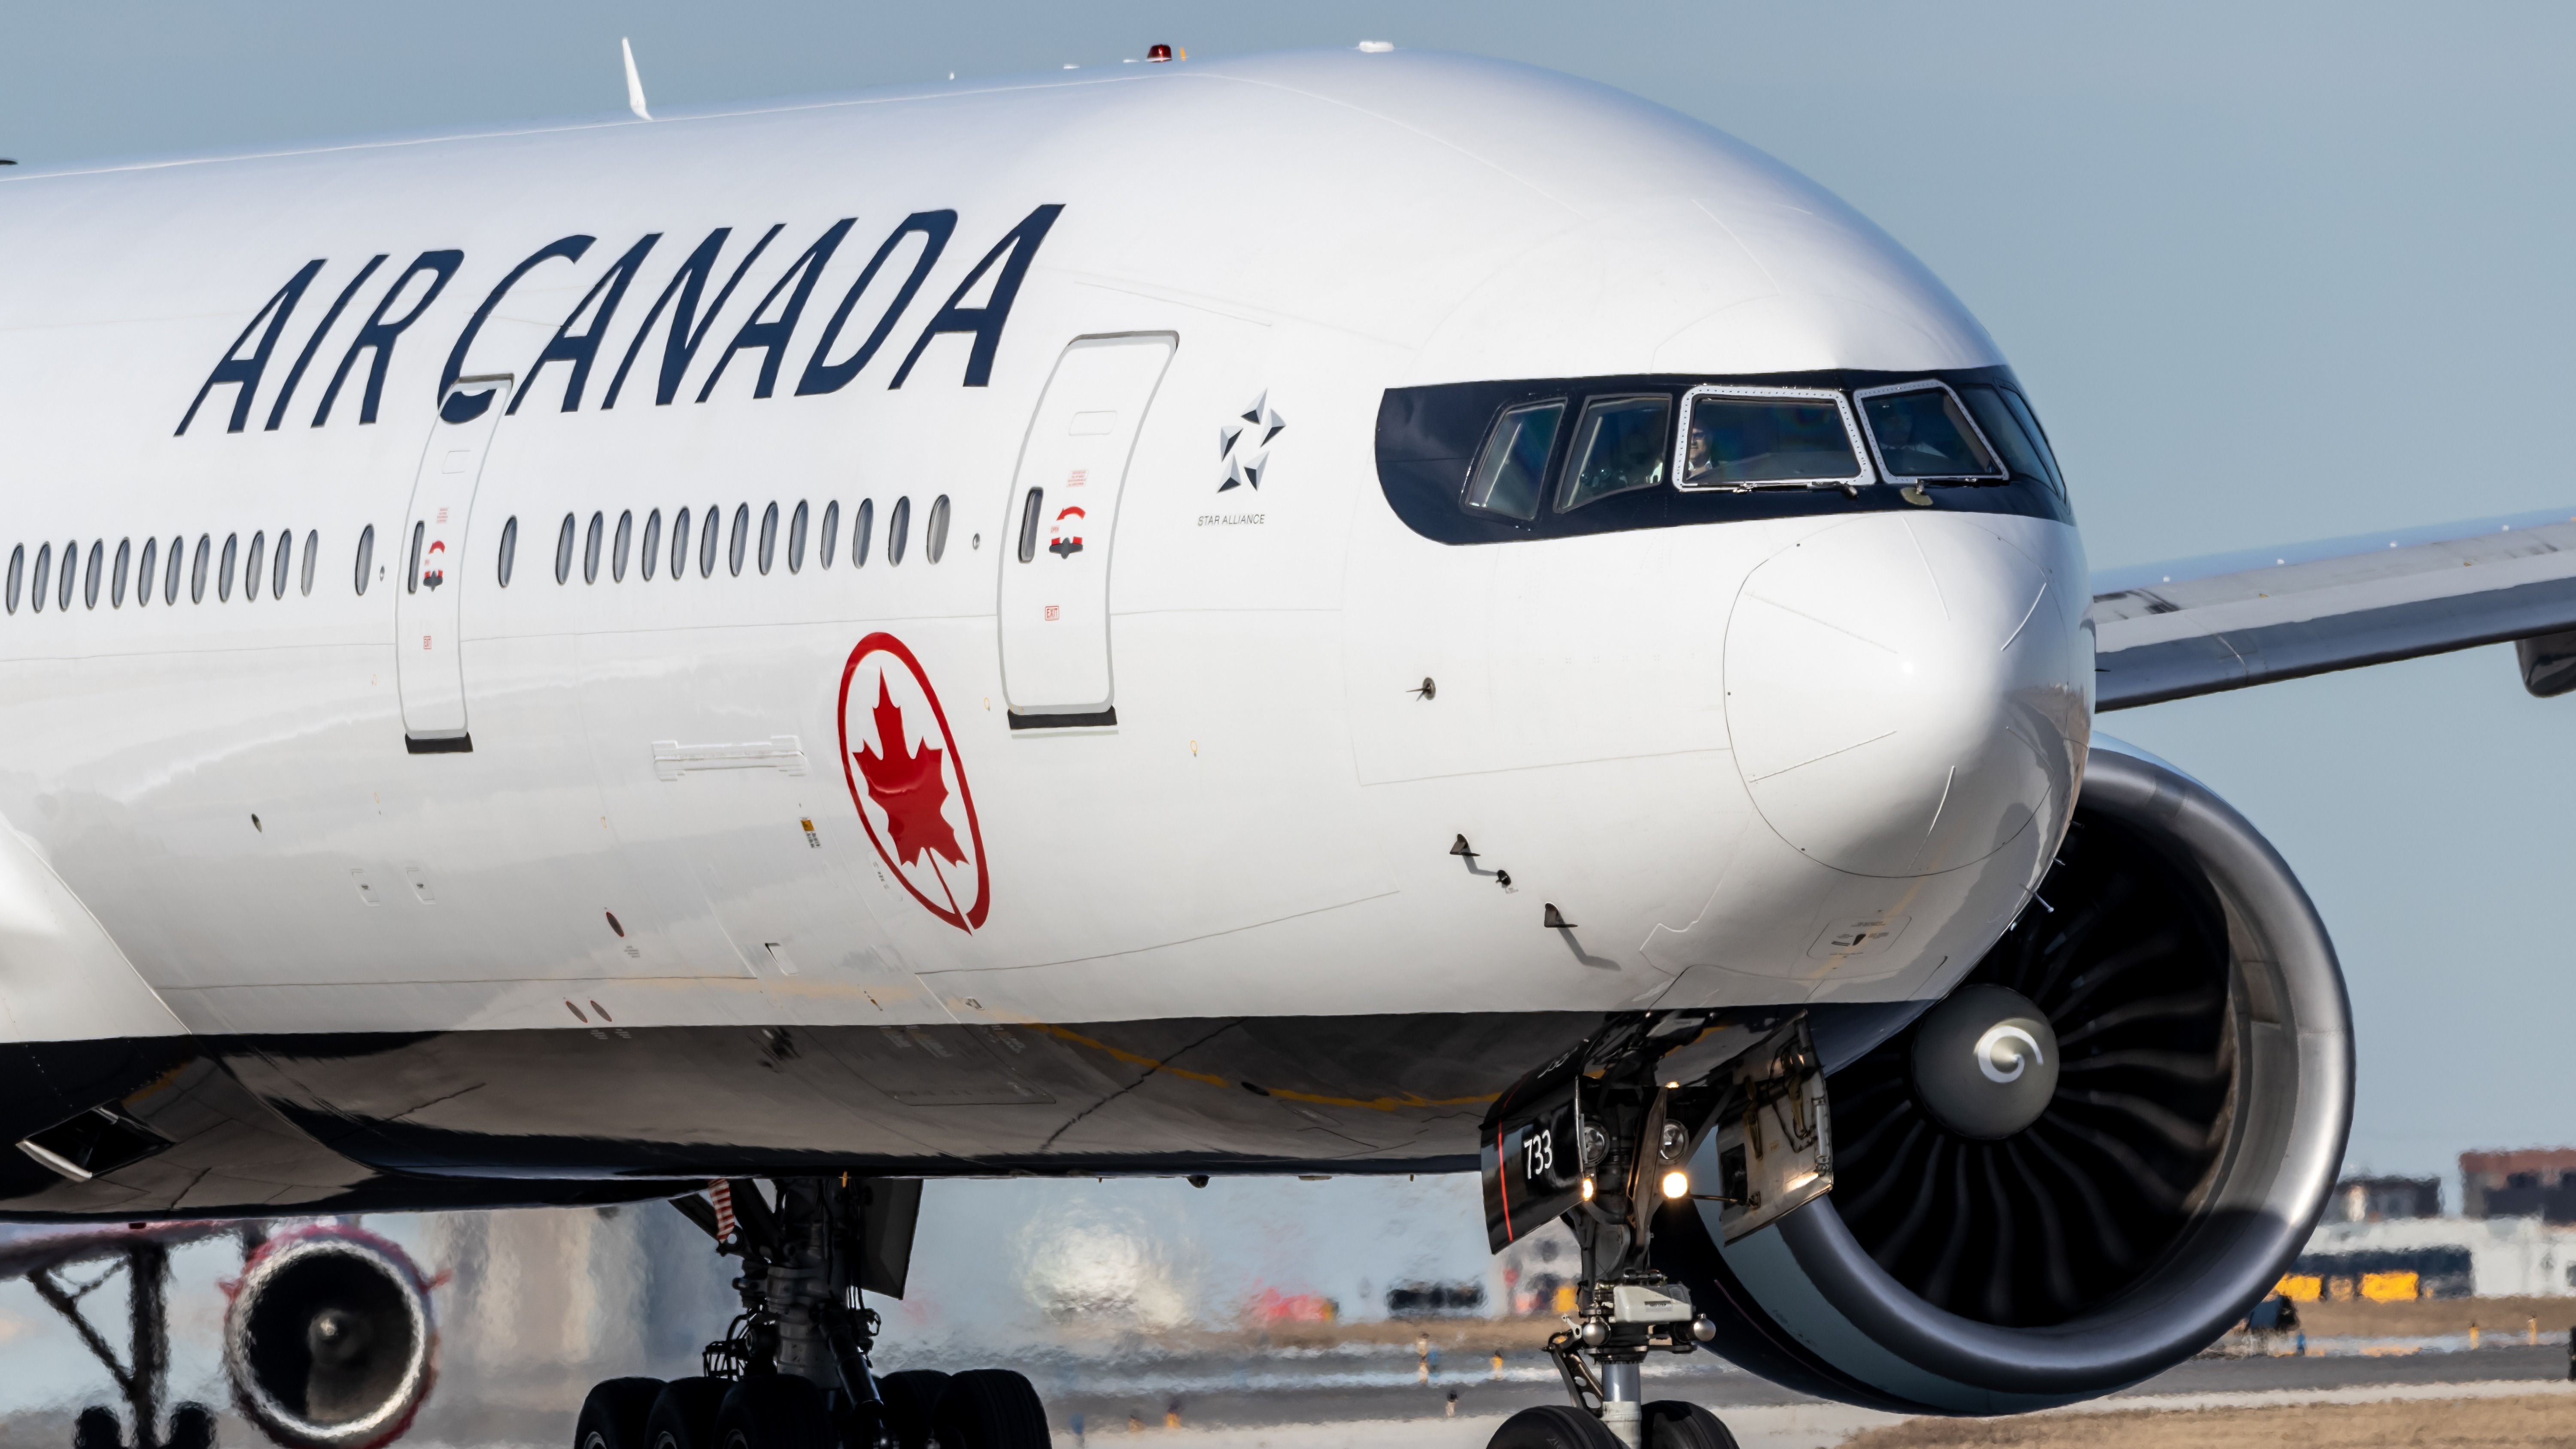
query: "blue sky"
2271, 272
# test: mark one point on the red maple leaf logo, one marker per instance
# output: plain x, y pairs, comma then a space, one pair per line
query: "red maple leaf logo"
906, 785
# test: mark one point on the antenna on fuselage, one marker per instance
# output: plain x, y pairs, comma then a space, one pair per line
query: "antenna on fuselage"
634, 82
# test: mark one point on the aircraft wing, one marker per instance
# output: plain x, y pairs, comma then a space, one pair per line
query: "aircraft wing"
2172, 631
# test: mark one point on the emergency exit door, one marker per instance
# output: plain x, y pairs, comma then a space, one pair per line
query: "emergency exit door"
429, 660
1064, 516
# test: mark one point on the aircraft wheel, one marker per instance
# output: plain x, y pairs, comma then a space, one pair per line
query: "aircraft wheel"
1672, 1424
613, 1415
96, 1428
683, 1415
1554, 1426
991, 1409
911, 1403
192, 1426
774, 1411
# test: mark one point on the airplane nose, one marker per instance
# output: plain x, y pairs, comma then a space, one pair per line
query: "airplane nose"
1905, 693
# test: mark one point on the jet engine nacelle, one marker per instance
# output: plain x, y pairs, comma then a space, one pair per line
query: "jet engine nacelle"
2008, 1232
329, 1342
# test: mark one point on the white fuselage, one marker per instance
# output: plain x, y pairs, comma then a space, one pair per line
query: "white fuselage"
1794, 759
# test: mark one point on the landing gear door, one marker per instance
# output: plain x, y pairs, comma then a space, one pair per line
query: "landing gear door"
429, 663
1064, 513
1773, 1143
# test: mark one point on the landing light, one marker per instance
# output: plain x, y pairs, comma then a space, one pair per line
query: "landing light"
1676, 1184
1587, 1189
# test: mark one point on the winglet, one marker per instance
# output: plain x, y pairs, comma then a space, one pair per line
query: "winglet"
634, 82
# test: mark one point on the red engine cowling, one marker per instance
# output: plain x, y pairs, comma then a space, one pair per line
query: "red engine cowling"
330, 1343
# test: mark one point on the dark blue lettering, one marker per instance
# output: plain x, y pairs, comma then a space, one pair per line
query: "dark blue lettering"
985, 323
580, 348
304, 359
379, 335
682, 344
772, 337
465, 408
821, 376
241, 372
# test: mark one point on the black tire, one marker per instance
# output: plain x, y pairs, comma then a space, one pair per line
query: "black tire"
774, 1411
683, 1415
192, 1426
991, 1409
912, 1404
1672, 1424
1553, 1426
613, 1415
96, 1428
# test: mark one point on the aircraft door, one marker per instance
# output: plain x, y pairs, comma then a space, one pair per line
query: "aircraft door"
1064, 514
429, 662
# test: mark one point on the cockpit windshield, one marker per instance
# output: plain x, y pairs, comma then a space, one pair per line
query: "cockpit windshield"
1922, 432
1770, 438
1618, 446
1490, 462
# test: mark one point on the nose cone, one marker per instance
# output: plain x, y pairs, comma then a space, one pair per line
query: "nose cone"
1906, 693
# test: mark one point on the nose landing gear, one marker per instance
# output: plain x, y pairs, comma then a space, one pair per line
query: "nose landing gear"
793, 1371
1603, 1138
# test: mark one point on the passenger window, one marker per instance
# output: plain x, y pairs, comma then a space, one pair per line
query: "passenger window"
563, 551
91, 580
250, 566
625, 539
116, 588
366, 562
1744, 438
934, 539
679, 545
44, 573
509, 551
861, 531
741, 538
796, 540
897, 526
590, 547
17, 574
768, 537
277, 570
312, 547
1920, 431
1618, 447
411, 570
652, 549
148, 567
710, 527
831, 531
1512, 468
70, 576
1029, 524
232, 547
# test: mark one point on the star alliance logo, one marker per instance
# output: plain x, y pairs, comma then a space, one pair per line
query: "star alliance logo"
1244, 444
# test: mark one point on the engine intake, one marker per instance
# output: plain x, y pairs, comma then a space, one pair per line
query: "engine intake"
1998, 1255
329, 1342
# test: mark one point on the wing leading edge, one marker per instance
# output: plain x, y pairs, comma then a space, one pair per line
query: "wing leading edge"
2172, 631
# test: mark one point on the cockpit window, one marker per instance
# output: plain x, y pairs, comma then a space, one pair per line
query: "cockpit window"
1745, 437
1511, 469
2007, 420
1921, 431
1618, 446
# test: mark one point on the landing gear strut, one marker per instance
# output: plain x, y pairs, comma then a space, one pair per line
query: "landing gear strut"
793, 1370
1602, 1138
